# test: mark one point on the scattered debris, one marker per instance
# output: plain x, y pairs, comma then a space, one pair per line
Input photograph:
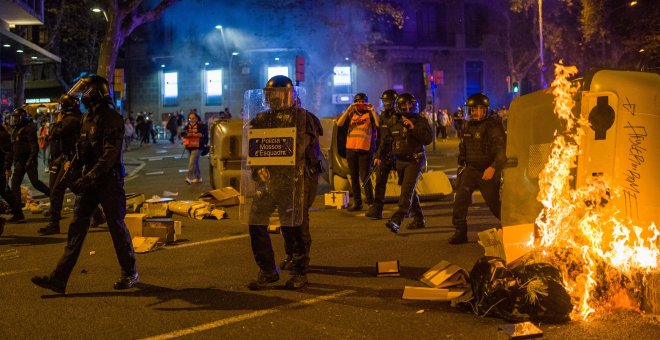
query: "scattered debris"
445, 274
336, 199
431, 294
92, 253
170, 194
522, 330
388, 268
223, 197
145, 244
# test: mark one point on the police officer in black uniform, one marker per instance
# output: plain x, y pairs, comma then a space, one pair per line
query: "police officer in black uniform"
63, 137
482, 155
406, 135
6, 159
383, 160
26, 152
100, 154
287, 189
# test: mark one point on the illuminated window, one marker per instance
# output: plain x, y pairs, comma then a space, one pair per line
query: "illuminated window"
213, 87
278, 71
342, 75
170, 88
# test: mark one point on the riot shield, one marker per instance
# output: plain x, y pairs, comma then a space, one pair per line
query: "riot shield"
272, 176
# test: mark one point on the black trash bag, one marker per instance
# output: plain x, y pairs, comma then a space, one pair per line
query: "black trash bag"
4, 207
495, 290
532, 292
546, 298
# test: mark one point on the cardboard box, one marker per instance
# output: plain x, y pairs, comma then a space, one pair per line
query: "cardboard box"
193, 209
134, 223
337, 199
155, 209
134, 202
145, 244
445, 274
509, 243
388, 268
431, 294
522, 330
163, 228
223, 197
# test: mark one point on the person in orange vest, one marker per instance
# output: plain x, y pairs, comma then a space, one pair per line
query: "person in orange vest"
360, 146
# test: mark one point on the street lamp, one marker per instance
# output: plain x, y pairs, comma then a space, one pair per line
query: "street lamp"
541, 54
101, 10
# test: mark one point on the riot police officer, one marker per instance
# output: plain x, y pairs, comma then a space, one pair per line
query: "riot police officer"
481, 159
383, 160
63, 136
100, 154
26, 152
406, 135
288, 188
6, 158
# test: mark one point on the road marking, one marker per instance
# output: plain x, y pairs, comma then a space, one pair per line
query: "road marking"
215, 240
155, 173
183, 170
18, 271
248, 316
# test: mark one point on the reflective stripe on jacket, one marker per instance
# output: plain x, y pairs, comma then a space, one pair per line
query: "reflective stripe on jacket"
360, 132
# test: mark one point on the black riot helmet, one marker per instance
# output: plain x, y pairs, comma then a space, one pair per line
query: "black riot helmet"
91, 90
477, 107
387, 99
279, 93
406, 104
69, 104
19, 117
360, 97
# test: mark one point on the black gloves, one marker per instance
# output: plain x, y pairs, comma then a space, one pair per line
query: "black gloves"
81, 184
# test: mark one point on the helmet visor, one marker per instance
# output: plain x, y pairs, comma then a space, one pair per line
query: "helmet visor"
279, 98
79, 89
475, 113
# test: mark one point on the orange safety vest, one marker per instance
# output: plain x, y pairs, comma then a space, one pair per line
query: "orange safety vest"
360, 132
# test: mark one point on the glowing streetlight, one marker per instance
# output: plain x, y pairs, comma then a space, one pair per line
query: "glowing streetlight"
100, 10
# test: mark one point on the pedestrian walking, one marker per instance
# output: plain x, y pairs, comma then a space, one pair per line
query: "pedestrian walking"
100, 155
195, 136
481, 158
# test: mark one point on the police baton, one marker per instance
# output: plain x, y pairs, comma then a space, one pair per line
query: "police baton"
371, 172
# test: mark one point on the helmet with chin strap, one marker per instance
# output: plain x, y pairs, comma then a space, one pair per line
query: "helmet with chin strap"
474, 102
406, 104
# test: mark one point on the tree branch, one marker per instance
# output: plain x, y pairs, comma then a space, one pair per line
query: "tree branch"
138, 19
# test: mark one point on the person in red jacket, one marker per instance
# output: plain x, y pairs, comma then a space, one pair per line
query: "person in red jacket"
195, 134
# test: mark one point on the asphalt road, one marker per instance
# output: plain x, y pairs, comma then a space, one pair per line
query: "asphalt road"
196, 288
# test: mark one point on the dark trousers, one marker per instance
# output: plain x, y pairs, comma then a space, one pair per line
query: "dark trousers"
382, 173
469, 181
297, 239
409, 172
359, 163
17, 178
443, 131
8, 196
58, 185
109, 192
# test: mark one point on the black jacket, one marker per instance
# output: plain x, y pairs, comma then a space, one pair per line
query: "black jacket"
400, 141
483, 145
24, 142
100, 145
6, 152
64, 136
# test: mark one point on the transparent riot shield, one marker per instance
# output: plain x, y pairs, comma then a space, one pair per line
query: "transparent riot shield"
273, 166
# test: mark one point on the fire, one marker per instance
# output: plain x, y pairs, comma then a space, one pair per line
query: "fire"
599, 252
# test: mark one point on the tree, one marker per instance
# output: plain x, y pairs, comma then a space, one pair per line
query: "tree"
124, 16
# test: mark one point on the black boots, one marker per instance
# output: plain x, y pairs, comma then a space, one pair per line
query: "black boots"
264, 279
375, 212
417, 224
355, 207
49, 283
126, 282
459, 237
50, 229
296, 281
393, 225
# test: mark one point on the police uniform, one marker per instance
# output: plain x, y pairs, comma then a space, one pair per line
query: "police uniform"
483, 146
26, 151
387, 164
99, 153
407, 146
276, 194
6, 158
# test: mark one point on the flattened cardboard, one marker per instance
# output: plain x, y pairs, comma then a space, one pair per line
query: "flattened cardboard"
445, 274
134, 223
388, 268
193, 209
491, 240
155, 209
223, 197
162, 228
522, 330
144, 244
431, 294
336, 199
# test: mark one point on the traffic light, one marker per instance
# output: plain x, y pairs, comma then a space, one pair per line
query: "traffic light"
515, 87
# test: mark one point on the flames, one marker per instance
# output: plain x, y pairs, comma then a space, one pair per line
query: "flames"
602, 255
